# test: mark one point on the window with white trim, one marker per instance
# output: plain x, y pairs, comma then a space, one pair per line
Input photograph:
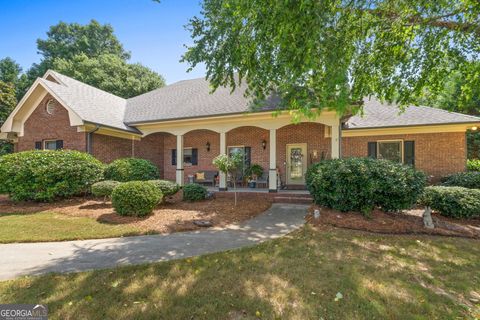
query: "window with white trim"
50, 106
50, 145
390, 150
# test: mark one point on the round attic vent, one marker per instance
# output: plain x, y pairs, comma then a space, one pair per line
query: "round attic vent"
50, 106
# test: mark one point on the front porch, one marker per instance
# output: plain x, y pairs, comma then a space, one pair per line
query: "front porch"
283, 150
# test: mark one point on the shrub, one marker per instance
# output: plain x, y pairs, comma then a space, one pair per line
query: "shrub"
463, 179
473, 165
455, 202
135, 198
194, 192
131, 169
168, 188
46, 175
254, 170
104, 188
360, 184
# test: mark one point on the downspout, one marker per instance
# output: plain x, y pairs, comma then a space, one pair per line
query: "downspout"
340, 140
89, 138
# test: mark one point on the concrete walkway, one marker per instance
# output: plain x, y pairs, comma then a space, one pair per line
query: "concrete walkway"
18, 259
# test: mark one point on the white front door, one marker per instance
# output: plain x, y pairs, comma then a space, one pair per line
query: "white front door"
296, 163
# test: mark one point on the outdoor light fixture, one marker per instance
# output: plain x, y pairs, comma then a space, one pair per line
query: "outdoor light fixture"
208, 146
264, 144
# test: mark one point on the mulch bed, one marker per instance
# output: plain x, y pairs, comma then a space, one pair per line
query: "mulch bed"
173, 216
407, 222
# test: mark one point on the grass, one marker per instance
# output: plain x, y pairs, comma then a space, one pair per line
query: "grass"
49, 226
297, 277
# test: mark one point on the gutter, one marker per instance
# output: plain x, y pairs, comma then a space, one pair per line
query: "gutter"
90, 138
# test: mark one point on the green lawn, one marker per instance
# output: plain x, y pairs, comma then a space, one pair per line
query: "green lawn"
298, 277
48, 226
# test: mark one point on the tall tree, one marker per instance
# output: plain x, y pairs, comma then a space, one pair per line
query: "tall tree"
8, 101
110, 73
332, 53
9, 70
84, 53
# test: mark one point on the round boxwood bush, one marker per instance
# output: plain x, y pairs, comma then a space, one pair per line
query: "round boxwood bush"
469, 179
168, 188
454, 202
194, 192
47, 175
361, 184
473, 165
131, 169
135, 198
104, 188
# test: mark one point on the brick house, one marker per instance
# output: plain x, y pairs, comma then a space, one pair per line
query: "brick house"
184, 121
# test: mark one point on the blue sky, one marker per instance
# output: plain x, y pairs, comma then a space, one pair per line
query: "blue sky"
152, 32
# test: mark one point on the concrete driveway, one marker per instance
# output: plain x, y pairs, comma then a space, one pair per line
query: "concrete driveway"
19, 259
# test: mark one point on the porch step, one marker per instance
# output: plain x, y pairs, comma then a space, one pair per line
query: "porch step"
299, 199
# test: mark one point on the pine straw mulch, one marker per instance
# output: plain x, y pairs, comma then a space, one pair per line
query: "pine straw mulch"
173, 216
407, 222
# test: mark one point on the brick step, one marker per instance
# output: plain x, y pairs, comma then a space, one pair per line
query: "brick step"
293, 199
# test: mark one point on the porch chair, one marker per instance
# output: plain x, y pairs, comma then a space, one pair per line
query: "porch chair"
263, 180
205, 177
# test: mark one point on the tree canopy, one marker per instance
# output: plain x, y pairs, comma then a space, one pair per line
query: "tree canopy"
92, 54
333, 53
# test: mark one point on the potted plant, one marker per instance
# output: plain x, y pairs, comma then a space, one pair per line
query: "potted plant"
253, 173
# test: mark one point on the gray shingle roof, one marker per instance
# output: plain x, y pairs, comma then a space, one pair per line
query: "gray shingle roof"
91, 104
377, 115
193, 98
188, 99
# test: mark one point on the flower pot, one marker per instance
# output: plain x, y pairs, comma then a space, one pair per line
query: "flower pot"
252, 184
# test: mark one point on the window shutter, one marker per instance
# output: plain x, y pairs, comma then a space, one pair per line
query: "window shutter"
194, 157
372, 149
409, 152
248, 156
38, 145
59, 144
174, 157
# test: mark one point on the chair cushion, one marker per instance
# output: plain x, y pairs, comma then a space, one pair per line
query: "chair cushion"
200, 175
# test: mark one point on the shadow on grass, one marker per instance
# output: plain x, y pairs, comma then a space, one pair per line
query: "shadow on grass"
298, 277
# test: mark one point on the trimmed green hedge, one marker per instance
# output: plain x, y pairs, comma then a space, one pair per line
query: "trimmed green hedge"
455, 202
46, 175
131, 169
194, 192
104, 188
469, 179
360, 184
135, 198
168, 188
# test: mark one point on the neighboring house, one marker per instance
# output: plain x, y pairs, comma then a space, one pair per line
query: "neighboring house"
182, 127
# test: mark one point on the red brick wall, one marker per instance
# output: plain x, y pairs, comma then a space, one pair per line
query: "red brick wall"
438, 154
151, 148
194, 139
108, 148
251, 137
42, 126
311, 133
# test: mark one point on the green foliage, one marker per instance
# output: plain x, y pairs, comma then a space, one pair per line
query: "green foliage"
473, 165
454, 202
473, 144
332, 53
254, 169
463, 179
104, 188
360, 184
131, 169
48, 175
168, 188
110, 73
194, 192
8, 101
228, 164
135, 198
9, 70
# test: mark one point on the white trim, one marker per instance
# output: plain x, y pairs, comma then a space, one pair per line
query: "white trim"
44, 143
392, 140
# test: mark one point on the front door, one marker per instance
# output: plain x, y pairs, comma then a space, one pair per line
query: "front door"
296, 163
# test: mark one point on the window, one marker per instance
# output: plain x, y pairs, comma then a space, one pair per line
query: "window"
190, 157
50, 145
390, 150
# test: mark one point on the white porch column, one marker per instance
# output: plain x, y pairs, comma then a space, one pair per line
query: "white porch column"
336, 141
223, 150
180, 174
272, 172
